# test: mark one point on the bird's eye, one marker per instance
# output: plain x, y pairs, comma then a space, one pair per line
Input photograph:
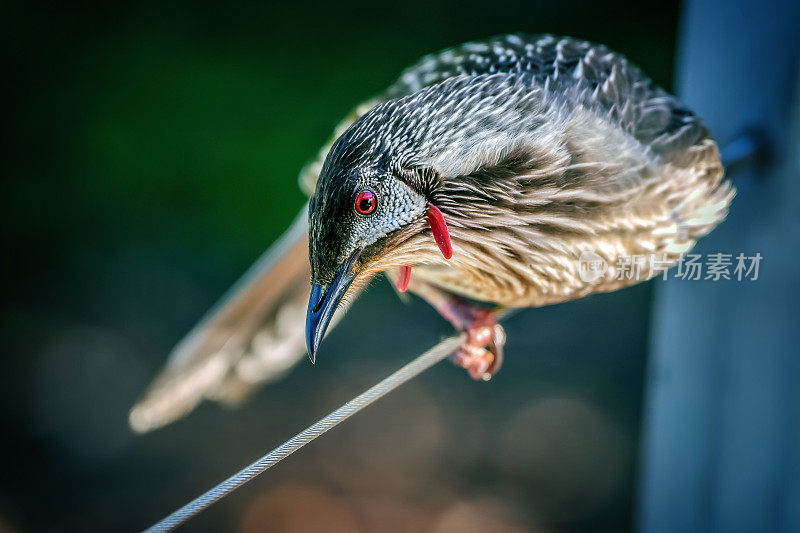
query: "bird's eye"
366, 202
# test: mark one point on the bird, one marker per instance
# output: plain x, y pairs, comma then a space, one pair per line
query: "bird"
478, 181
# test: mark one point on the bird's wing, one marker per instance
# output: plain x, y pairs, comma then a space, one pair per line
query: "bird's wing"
607, 79
614, 115
254, 335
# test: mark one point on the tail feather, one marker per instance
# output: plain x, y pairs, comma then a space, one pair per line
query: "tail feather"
254, 335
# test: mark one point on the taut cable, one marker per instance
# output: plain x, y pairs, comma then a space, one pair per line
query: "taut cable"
409, 371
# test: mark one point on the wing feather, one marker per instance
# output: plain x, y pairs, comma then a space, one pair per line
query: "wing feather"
256, 332
219, 358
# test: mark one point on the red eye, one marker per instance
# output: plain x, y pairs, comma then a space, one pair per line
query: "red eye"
366, 202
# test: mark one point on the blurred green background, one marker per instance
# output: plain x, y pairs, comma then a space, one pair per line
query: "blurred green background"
151, 156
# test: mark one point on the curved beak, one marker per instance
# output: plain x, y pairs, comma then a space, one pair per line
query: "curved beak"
322, 304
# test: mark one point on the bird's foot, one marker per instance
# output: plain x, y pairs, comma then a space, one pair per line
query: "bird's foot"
482, 352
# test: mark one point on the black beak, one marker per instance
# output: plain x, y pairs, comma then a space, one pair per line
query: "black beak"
322, 304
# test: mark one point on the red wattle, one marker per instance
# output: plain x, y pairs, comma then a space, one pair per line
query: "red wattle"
440, 232
404, 278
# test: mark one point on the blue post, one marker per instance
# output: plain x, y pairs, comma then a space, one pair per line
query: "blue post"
721, 448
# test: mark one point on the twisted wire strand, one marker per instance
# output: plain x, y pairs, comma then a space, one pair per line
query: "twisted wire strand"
409, 371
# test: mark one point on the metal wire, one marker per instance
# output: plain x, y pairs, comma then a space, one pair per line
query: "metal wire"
409, 371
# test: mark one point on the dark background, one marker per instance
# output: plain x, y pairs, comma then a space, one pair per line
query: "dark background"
151, 155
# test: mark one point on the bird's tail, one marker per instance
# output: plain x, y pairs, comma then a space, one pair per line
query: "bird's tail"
254, 335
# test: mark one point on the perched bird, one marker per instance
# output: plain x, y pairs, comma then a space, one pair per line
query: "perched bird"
477, 181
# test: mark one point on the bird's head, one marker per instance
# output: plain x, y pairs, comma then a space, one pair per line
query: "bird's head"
372, 202
380, 200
